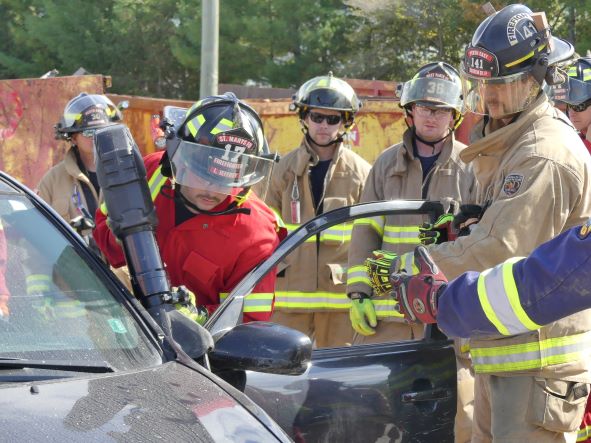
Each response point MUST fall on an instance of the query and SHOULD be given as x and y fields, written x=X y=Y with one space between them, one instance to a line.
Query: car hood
x=169 y=403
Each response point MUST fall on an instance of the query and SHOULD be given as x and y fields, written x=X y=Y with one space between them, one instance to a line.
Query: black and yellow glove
x=378 y=271
x=440 y=231
x=189 y=307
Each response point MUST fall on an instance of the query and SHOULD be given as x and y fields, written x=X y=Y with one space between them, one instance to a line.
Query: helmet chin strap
x=428 y=143
x=232 y=208
x=337 y=140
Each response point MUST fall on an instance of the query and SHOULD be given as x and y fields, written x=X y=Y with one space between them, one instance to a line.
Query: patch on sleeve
x=512 y=184
x=585 y=230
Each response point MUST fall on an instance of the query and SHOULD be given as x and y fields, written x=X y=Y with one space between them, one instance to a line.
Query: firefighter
x=71 y=186
x=578 y=103
x=517 y=296
x=212 y=228
x=425 y=165
x=320 y=175
x=534 y=177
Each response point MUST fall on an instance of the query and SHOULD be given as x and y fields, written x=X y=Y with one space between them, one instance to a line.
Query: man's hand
x=440 y=231
x=378 y=271
x=417 y=295
x=362 y=314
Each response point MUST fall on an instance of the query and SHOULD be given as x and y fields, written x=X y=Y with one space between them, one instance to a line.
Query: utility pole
x=210 y=24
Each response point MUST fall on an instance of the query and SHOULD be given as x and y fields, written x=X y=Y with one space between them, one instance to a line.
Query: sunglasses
x=330 y=119
x=579 y=108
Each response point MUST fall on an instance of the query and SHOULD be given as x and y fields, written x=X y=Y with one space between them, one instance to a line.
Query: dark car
x=399 y=391
x=81 y=360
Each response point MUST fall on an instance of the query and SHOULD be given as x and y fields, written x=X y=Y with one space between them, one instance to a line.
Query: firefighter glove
x=417 y=295
x=468 y=215
x=187 y=305
x=362 y=314
x=440 y=231
x=378 y=271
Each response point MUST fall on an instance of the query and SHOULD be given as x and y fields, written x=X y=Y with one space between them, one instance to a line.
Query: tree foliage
x=152 y=47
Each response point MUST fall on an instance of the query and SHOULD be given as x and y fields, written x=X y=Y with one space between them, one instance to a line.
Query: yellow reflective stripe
x=586 y=74
x=358 y=274
x=525 y=57
x=195 y=123
x=156 y=182
x=38 y=283
x=386 y=308
x=279 y=219
x=258 y=302
x=292 y=227
x=338 y=233
x=534 y=355
x=69 y=309
x=407 y=262
x=311 y=300
x=401 y=234
x=486 y=307
x=499 y=298
x=222 y=126
x=103 y=208
x=584 y=434
x=513 y=295
x=377 y=223
x=572 y=71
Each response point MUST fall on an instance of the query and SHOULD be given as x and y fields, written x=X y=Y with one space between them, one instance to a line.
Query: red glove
x=417 y=294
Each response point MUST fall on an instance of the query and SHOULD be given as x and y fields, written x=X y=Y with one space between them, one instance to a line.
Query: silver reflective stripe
x=500 y=301
x=533 y=355
x=376 y=223
x=401 y=234
x=358 y=274
x=311 y=300
x=339 y=233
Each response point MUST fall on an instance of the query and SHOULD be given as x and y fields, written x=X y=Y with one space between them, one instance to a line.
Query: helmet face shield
x=89 y=111
x=577 y=91
x=218 y=170
x=499 y=97
x=437 y=91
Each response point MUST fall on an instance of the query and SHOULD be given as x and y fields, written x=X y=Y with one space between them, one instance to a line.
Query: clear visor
x=499 y=97
x=436 y=90
x=77 y=107
x=578 y=91
x=224 y=171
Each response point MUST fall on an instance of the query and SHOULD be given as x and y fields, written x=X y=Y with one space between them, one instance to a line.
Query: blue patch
x=512 y=184
x=585 y=230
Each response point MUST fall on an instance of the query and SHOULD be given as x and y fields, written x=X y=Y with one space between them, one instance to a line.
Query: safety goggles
x=330 y=119
x=427 y=111
x=580 y=107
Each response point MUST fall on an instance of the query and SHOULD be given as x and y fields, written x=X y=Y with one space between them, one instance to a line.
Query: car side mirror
x=262 y=347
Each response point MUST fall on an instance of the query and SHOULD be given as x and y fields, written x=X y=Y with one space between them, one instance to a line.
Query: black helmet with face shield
x=509 y=58
x=219 y=147
x=86 y=112
x=435 y=85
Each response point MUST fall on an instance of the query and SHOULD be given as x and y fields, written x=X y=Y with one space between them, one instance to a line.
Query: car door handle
x=428 y=395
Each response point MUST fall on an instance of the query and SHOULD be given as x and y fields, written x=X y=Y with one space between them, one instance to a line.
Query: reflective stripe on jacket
x=313 y=278
x=208 y=254
x=536 y=174
x=397 y=174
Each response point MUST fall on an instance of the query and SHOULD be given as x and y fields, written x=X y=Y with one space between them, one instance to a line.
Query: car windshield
x=55 y=305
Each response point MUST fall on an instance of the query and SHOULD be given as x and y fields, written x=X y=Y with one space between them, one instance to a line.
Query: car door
x=399 y=391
